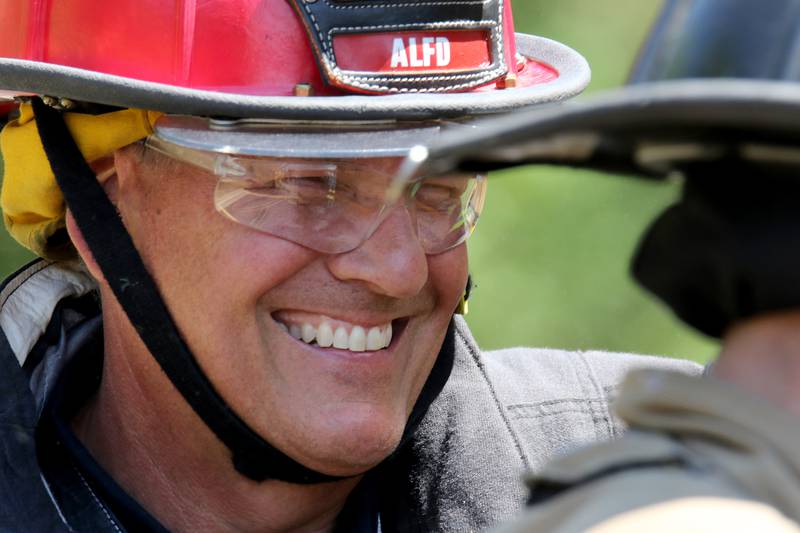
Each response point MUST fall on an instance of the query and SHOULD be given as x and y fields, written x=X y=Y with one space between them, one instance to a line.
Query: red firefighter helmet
x=283 y=58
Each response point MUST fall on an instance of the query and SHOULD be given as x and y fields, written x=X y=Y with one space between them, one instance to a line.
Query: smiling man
x=234 y=326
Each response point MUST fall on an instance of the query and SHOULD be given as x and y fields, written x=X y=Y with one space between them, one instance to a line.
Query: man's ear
x=106 y=171
x=76 y=236
x=106 y=174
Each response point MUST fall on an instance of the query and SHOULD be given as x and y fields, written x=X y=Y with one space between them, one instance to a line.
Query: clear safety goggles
x=332 y=205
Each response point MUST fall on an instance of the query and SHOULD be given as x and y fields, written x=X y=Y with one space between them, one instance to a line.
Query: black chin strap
x=137 y=293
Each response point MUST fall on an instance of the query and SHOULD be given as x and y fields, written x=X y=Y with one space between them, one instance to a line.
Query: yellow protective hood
x=33 y=206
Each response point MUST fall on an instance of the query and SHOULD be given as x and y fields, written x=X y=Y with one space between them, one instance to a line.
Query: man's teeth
x=325 y=335
x=308 y=333
x=358 y=339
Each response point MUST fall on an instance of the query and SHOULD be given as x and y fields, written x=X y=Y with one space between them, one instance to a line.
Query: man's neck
x=762 y=355
x=148 y=439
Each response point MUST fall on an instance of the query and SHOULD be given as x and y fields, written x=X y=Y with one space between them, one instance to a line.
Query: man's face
x=237 y=294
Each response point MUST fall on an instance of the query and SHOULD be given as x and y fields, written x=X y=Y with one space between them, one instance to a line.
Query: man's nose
x=391 y=262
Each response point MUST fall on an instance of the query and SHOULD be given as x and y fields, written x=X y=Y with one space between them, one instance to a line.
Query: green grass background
x=551 y=252
x=550 y=255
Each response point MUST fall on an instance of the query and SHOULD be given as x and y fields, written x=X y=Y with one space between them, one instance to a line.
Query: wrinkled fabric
x=500 y=414
x=26 y=504
x=503 y=414
x=32 y=204
x=26 y=313
x=697 y=447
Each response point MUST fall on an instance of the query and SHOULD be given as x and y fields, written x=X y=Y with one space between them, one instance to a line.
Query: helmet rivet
x=66 y=103
x=508 y=82
x=303 y=89
x=50 y=101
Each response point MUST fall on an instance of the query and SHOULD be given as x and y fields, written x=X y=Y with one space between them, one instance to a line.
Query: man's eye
x=436 y=196
x=302 y=189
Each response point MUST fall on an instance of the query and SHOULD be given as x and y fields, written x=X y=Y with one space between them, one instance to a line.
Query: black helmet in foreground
x=714 y=101
x=722 y=39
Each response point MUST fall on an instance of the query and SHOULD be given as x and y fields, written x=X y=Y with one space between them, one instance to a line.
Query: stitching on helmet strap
x=322 y=23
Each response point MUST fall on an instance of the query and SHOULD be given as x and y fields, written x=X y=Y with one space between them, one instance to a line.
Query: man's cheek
x=448 y=273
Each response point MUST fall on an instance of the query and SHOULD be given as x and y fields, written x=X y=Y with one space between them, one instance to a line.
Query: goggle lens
x=332 y=206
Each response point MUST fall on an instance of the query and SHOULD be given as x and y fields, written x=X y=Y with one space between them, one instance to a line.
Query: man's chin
x=352 y=449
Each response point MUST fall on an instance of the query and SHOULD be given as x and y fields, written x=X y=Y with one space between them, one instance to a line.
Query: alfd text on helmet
x=432 y=51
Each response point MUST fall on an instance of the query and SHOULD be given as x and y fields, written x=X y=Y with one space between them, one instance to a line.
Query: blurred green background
x=550 y=257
